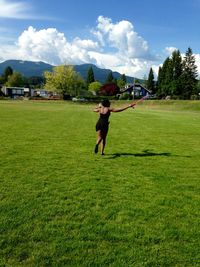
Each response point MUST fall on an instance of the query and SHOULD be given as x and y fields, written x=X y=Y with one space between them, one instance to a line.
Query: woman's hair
x=106 y=103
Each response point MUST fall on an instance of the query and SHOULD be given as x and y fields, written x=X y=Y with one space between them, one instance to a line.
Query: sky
x=128 y=36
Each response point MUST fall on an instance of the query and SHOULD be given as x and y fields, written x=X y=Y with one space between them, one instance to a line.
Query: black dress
x=102 y=123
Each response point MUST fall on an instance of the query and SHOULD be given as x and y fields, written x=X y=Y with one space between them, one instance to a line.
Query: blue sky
x=128 y=36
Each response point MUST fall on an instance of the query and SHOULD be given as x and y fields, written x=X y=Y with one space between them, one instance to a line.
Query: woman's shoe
x=96 y=149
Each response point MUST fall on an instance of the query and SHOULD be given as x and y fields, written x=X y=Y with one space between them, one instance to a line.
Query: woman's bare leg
x=99 y=139
x=103 y=144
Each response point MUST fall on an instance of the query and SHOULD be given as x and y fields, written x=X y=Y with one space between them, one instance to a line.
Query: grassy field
x=61 y=205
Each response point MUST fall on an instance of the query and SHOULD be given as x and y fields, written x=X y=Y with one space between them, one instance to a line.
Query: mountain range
x=31 y=68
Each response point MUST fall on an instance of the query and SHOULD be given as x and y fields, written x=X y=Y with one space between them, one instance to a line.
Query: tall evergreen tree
x=168 y=77
x=165 y=78
x=177 y=64
x=123 y=78
x=174 y=74
x=122 y=81
x=16 y=80
x=7 y=72
x=145 y=81
x=109 y=78
x=198 y=88
x=90 y=76
x=189 y=76
x=159 y=82
x=151 y=82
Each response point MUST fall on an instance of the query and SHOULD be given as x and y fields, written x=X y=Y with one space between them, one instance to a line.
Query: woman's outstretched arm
x=122 y=109
x=97 y=109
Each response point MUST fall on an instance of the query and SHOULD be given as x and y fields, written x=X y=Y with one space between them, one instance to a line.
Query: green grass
x=61 y=205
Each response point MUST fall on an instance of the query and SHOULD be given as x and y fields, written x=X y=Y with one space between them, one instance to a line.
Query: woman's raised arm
x=122 y=109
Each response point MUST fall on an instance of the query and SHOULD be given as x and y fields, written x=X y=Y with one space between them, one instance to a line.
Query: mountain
x=99 y=74
x=30 y=68
x=26 y=68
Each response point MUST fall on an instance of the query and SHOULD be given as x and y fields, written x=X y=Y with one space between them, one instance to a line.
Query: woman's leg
x=99 y=139
x=103 y=142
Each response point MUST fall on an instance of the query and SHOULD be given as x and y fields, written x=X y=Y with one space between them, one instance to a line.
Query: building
x=135 y=90
x=13 y=92
x=16 y=92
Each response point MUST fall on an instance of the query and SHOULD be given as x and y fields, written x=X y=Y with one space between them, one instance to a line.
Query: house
x=16 y=92
x=135 y=90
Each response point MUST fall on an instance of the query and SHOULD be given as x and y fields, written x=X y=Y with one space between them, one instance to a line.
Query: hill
x=27 y=68
x=31 y=68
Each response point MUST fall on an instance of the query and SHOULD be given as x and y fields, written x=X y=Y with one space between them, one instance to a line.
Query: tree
x=109 y=89
x=145 y=81
x=35 y=81
x=95 y=87
x=198 y=87
x=177 y=69
x=168 y=77
x=189 y=75
x=122 y=81
x=2 y=80
x=159 y=82
x=90 y=76
x=15 y=80
x=178 y=77
x=165 y=78
x=109 y=78
x=64 y=80
x=151 y=82
x=7 y=72
x=123 y=78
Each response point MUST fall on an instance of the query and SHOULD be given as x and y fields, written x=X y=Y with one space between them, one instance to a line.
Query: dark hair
x=105 y=103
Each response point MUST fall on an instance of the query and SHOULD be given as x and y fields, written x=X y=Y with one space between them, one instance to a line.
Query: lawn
x=62 y=205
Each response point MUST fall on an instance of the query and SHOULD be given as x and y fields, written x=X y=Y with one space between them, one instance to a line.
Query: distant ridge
x=26 y=68
x=32 y=68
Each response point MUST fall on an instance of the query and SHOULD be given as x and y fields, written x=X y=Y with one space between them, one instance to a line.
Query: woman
x=102 y=124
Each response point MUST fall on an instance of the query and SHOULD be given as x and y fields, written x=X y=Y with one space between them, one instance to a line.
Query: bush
x=124 y=96
x=194 y=97
x=109 y=89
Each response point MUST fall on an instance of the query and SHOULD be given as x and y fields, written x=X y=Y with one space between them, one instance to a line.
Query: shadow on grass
x=145 y=153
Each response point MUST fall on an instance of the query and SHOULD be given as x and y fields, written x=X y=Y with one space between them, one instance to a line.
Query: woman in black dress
x=102 y=124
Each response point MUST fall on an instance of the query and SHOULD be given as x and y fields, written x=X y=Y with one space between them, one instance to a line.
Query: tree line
x=64 y=80
x=177 y=77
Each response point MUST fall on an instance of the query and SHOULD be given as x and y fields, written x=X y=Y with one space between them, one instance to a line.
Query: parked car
x=75 y=99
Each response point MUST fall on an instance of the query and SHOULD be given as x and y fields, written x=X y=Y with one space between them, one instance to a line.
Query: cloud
x=50 y=45
x=116 y=46
x=122 y=37
x=170 y=50
x=197 y=61
x=17 y=10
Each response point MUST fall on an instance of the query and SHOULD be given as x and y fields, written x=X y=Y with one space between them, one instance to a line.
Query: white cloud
x=18 y=10
x=169 y=50
x=116 y=46
x=122 y=37
x=197 y=61
x=51 y=46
